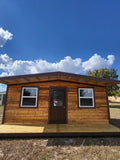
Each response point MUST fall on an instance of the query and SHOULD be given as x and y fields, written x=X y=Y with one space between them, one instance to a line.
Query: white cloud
x=111 y=59
x=19 y=67
x=4 y=36
x=96 y=62
x=4 y=59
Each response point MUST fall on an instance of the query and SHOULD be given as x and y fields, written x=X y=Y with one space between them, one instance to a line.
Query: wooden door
x=58 y=105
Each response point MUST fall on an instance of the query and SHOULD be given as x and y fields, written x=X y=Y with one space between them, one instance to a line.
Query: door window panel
x=58 y=98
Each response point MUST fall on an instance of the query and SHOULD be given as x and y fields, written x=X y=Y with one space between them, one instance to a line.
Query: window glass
x=86 y=102
x=29 y=101
x=29 y=92
x=86 y=97
x=85 y=93
x=29 y=97
x=58 y=98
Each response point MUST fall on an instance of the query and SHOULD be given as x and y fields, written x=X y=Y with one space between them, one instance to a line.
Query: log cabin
x=56 y=98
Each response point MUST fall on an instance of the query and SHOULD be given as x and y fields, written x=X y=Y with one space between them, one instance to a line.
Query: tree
x=107 y=73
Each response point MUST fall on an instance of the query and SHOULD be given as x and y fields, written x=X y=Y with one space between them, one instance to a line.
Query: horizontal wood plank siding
x=16 y=115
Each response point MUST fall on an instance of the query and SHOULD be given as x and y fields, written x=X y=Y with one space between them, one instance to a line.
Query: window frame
x=93 y=97
x=21 y=99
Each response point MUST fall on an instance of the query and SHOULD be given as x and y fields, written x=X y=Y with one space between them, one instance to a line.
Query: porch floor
x=59 y=129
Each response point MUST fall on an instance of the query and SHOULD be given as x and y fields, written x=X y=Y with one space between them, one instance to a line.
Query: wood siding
x=16 y=115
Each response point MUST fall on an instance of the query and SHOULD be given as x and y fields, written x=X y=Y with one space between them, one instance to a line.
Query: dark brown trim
x=93 y=97
x=21 y=96
x=66 y=92
x=61 y=74
x=108 y=105
x=62 y=134
x=5 y=105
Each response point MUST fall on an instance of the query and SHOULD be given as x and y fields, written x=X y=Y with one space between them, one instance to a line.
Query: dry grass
x=62 y=148
x=1 y=113
x=115 y=113
x=1 y=109
x=114 y=104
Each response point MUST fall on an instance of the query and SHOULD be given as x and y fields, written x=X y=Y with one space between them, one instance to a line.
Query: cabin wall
x=16 y=115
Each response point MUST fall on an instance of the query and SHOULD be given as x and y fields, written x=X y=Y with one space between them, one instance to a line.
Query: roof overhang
x=52 y=76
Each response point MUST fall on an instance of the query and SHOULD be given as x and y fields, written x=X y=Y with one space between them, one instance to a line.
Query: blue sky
x=66 y=35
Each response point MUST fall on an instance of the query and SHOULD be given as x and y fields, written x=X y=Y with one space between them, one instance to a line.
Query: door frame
x=66 y=91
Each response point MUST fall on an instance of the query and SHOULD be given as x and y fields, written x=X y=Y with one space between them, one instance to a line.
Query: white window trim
x=86 y=97
x=29 y=97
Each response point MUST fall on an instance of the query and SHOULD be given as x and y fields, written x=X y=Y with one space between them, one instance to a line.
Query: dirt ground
x=63 y=148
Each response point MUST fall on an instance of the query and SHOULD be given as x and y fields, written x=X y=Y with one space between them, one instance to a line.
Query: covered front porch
x=58 y=130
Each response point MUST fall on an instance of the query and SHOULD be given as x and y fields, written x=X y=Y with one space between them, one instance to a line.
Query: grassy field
x=114 y=110
x=1 y=113
x=63 y=148
x=60 y=149
x=115 y=113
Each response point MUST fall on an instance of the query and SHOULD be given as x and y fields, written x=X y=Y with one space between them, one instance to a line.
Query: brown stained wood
x=87 y=117
x=83 y=80
x=20 y=80
x=21 y=113
x=14 y=114
x=24 y=80
x=96 y=117
x=89 y=111
x=98 y=89
x=35 y=79
x=43 y=78
x=3 y=82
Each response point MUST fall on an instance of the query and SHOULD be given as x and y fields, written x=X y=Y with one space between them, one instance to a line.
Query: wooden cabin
x=56 y=98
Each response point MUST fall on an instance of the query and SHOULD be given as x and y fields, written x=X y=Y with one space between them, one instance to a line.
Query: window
x=29 y=97
x=58 y=98
x=86 y=97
